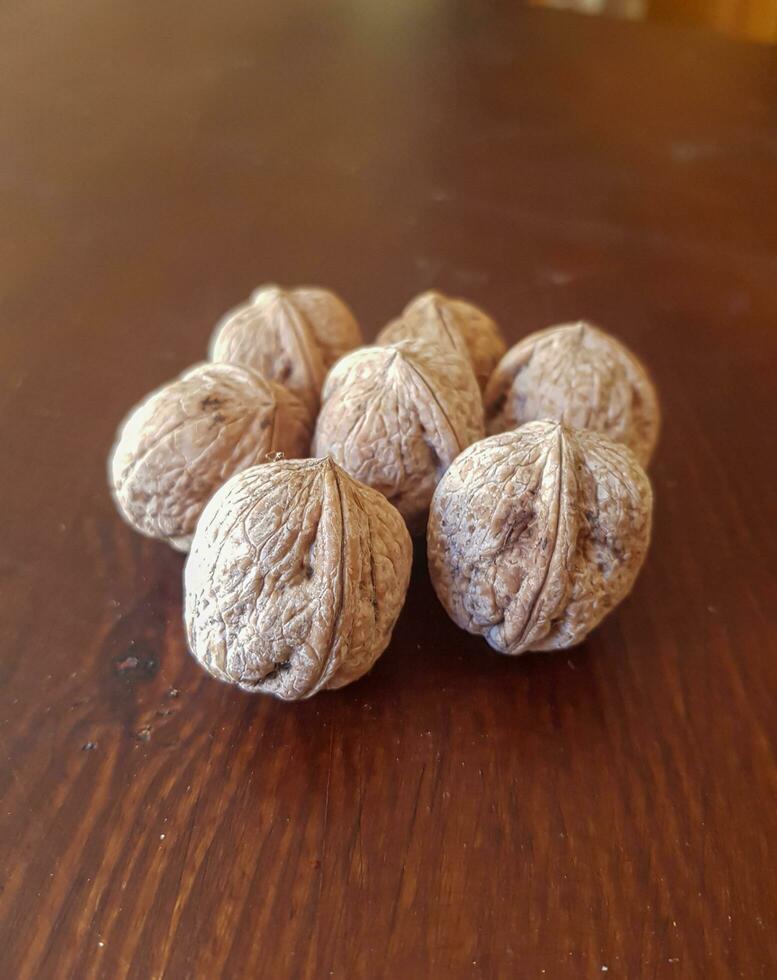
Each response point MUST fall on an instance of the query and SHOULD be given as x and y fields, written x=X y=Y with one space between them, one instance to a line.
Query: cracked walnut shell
x=582 y=376
x=296 y=577
x=437 y=318
x=536 y=534
x=396 y=417
x=291 y=336
x=185 y=439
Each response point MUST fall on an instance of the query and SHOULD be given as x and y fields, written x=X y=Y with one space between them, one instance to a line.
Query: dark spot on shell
x=279 y=667
x=211 y=401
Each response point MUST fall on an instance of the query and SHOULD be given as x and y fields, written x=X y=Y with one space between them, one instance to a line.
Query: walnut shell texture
x=396 y=417
x=579 y=375
x=536 y=534
x=185 y=439
x=437 y=318
x=291 y=336
x=295 y=579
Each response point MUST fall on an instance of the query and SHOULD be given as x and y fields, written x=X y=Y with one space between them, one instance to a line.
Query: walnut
x=185 y=439
x=296 y=577
x=291 y=336
x=395 y=417
x=435 y=317
x=536 y=534
x=582 y=376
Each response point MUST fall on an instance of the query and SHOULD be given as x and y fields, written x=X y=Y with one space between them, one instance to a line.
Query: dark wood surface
x=455 y=814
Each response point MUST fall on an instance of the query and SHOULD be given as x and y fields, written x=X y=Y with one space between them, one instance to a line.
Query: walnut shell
x=185 y=439
x=437 y=318
x=536 y=534
x=296 y=577
x=290 y=336
x=582 y=376
x=396 y=417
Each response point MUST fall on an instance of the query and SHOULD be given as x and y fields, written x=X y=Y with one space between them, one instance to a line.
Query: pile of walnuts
x=296 y=463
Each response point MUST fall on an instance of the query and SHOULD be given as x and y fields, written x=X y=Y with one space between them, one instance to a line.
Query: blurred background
x=754 y=20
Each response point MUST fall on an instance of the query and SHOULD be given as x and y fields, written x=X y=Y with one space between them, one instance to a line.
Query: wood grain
x=456 y=813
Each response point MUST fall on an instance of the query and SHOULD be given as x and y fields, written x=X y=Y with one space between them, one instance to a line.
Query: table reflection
x=754 y=20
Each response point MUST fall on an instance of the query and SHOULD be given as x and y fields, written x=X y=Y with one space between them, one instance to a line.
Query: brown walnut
x=396 y=417
x=185 y=439
x=580 y=375
x=536 y=534
x=295 y=579
x=291 y=336
x=437 y=318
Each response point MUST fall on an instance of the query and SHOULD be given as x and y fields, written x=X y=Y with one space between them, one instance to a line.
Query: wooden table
x=456 y=813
